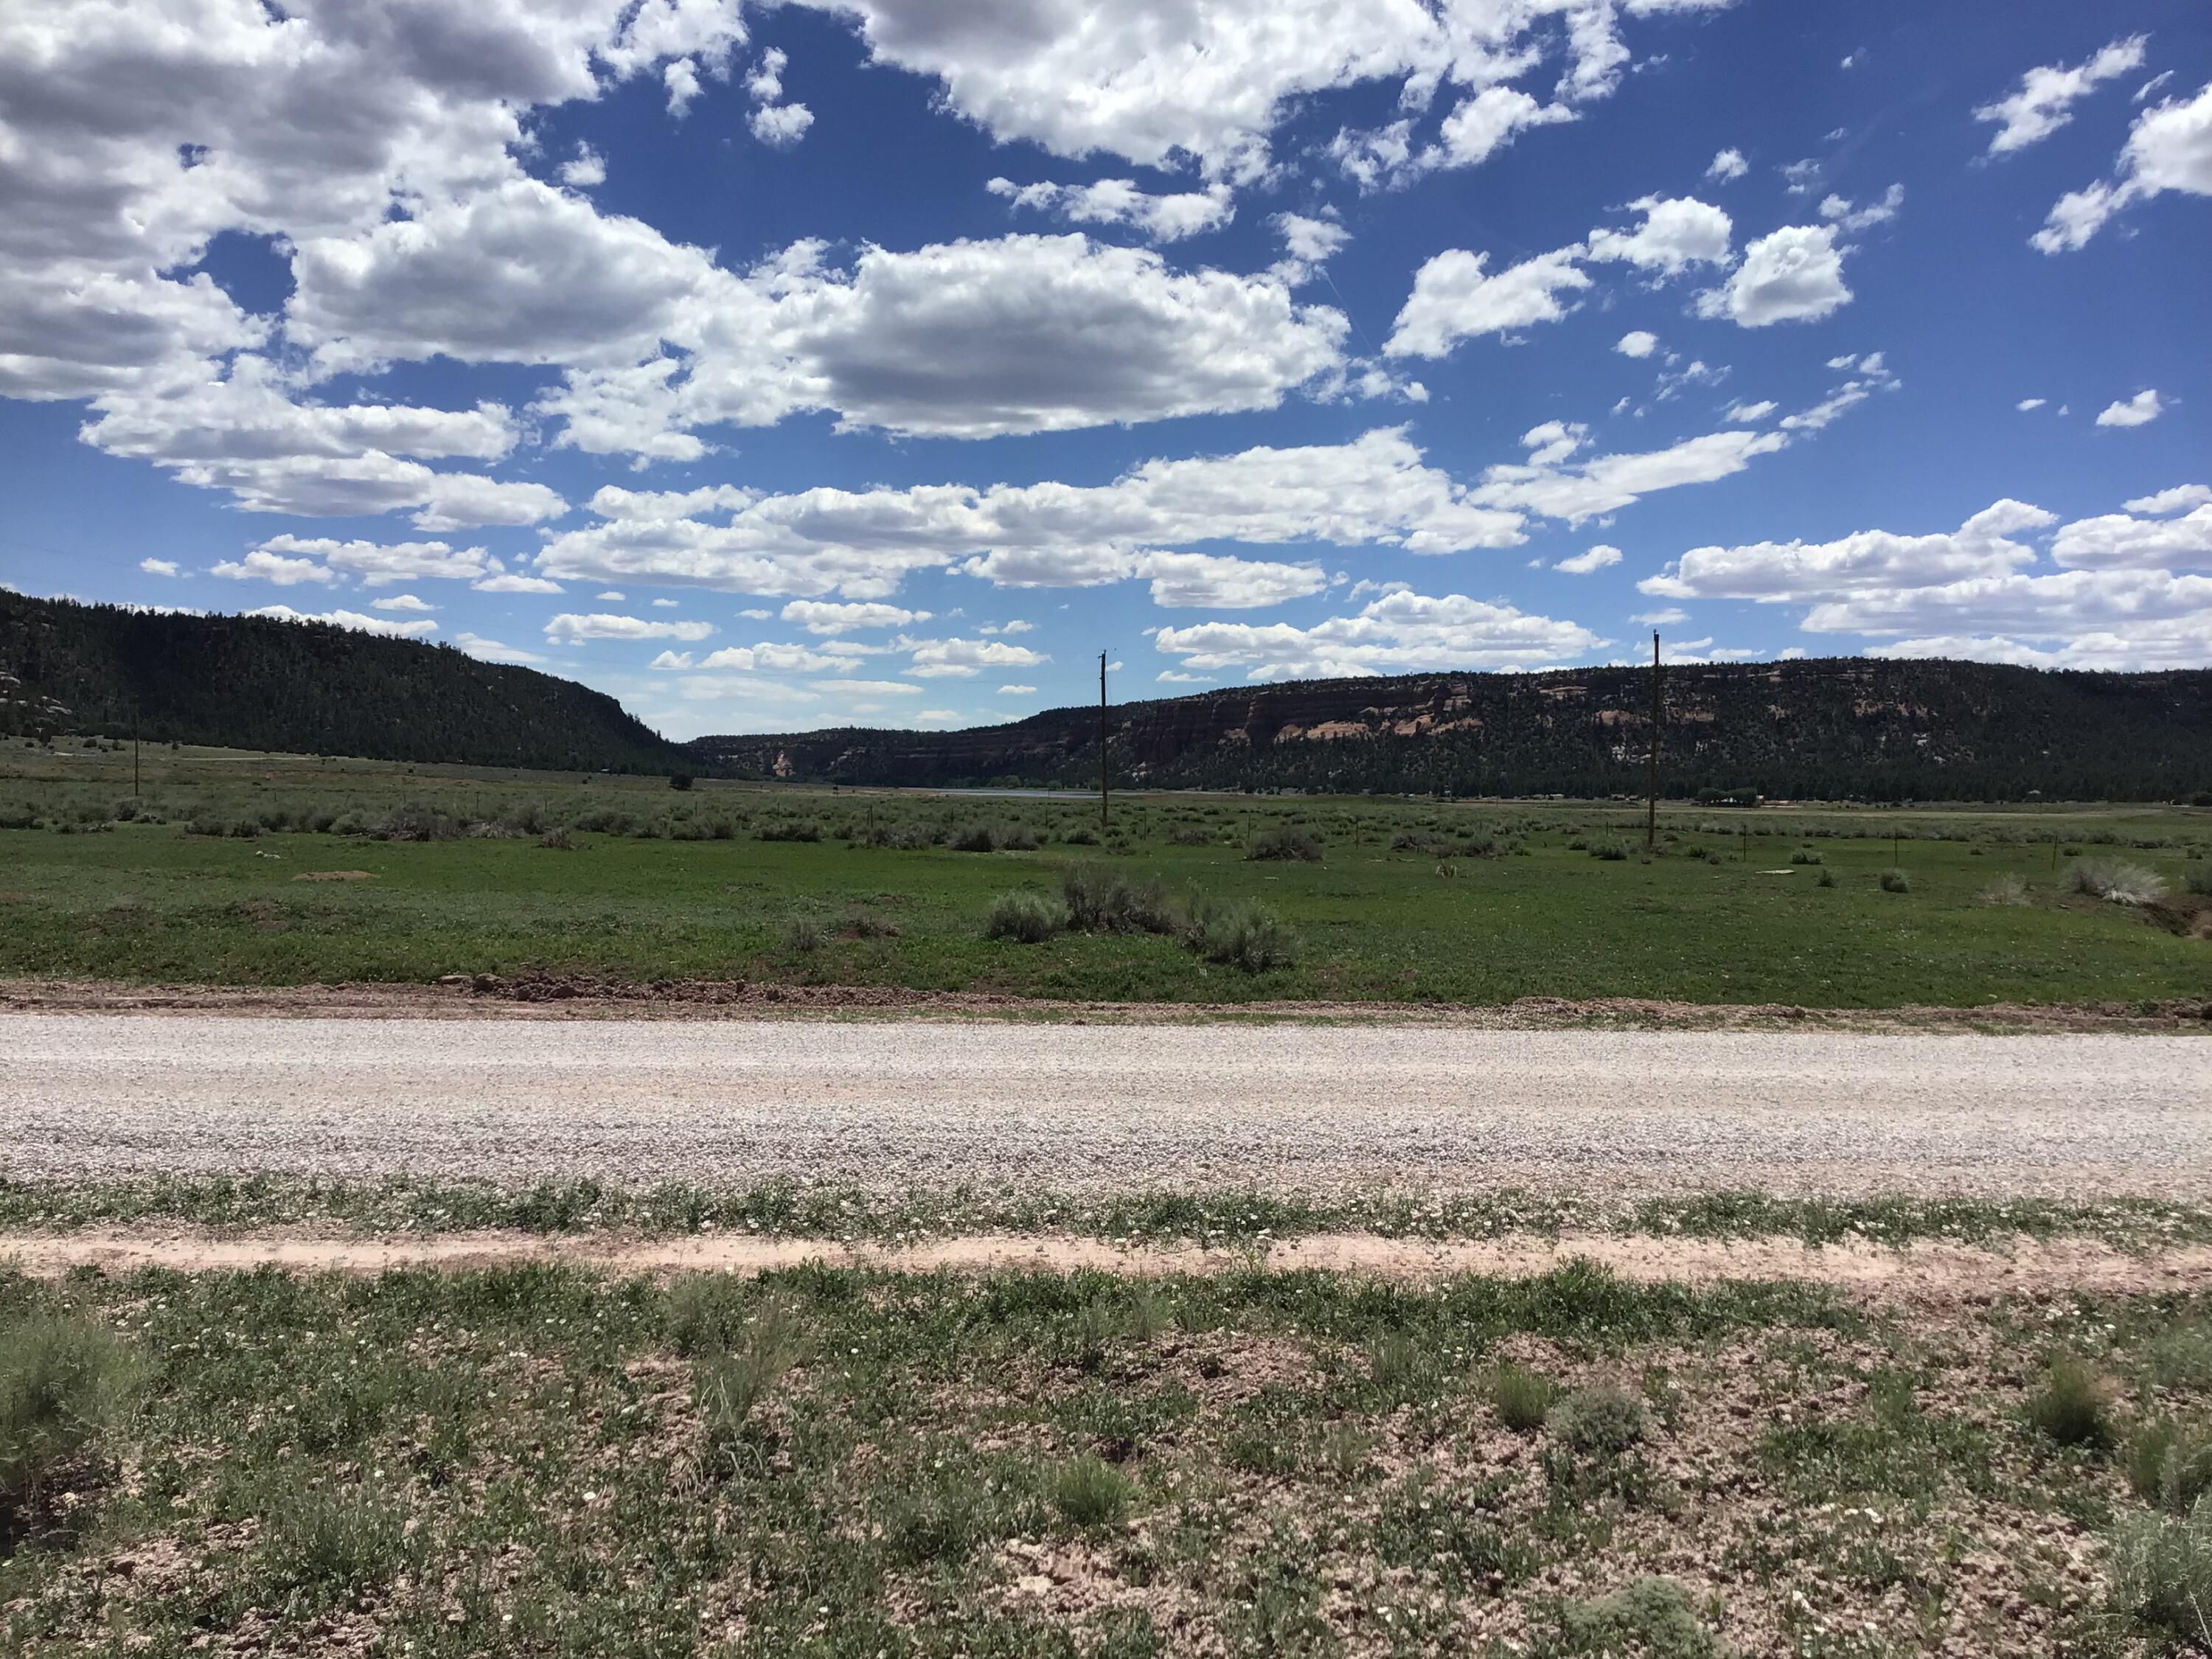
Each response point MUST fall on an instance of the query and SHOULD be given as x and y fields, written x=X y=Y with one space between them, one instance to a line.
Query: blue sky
x=881 y=362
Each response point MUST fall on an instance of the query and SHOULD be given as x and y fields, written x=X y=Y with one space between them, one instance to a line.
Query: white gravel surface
x=1083 y=1107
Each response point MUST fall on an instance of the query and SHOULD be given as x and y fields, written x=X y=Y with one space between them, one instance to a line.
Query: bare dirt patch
x=1930 y=1273
x=335 y=875
x=548 y=995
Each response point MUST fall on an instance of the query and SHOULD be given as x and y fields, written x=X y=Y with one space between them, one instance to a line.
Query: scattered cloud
x=1455 y=298
x=585 y=170
x=159 y=566
x=817 y=616
x=1120 y=202
x=965 y=658
x=490 y=650
x=1839 y=210
x=2026 y=406
x=1375 y=490
x=2139 y=410
x=1788 y=276
x=1677 y=233
x=1581 y=564
x=1637 y=343
x=2043 y=101
x=353 y=619
x=2171 y=500
x=569 y=628
x=2169 y=147
x=1398 y=632
x=1728 y=166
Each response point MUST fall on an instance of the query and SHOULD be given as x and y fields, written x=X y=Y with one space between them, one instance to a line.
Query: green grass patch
x=448 y=872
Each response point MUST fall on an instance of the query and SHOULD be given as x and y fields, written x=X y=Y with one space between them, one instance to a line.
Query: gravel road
x=1084 y=1107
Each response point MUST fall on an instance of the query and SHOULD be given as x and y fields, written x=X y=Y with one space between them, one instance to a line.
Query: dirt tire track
x=1920 y=1273
x=553 y=996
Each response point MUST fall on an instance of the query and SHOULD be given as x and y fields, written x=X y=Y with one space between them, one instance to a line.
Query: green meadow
x=221 y=868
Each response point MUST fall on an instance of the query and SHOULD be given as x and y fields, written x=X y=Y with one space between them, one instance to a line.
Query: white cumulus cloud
x=2139 y=410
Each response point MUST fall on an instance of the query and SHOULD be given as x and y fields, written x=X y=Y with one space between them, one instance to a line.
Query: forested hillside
x=1838 y=727
x=308 y=688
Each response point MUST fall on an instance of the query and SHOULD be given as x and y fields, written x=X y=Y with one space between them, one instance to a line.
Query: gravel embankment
x=1082 y=1109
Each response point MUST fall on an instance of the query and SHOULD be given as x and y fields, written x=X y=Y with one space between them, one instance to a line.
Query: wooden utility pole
x=1101 y=743
x=1652 y=808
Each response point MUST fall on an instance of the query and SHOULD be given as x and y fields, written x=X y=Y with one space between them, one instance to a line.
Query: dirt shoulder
x=1931 y=1274
x=548 y=996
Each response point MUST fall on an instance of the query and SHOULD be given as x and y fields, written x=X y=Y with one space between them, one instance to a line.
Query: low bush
x=333 y=1543
x=861 y=922
x=1283 y=845
x=1101 y=900
x=558 y=840
x=800 y=934
x=414 y=822
x=64 y=1382
x=1654 y=1618
x=1521 y=1398
x=789 y=829
x=977 y=838
x=2162 y=1576
x=1896 y=881
x=1611 y=848
x=1025 y=918
x=2169 y=1465
x=731 y=1382
x=1807 y=855
x=1089 y=1491
x=2116 y=880
x=2073 y=1407
x=2005 y=889
x=1244 y=935
x=1825 y=879
x=1601 y=1421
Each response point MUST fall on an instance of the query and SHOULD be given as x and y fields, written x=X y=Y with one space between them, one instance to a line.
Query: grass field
x=856 y=1463
x=655 y=882
x=637 y=896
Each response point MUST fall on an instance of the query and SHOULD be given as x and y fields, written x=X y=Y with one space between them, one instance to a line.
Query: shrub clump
x=2011 y=888
x=1089 y=1491
x=64 y=1382
x=1652 y=1617
x=800 y=934
x=1283 y=844
x=2162 y=1574
x=1100 y=900
x=789 y=829
x=1521 y=1398
x=1611 y=848
x=2169 y=1466
x=1025 y=918
x=1601 y=1421
x=2073 y=1407
x=1244 y=935
x=1896 y=881
x=2116 y=880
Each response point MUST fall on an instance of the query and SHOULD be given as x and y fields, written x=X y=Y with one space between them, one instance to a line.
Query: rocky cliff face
x=1842 y=727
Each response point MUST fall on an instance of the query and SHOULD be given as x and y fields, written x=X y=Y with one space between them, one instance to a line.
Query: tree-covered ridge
x=305 y=688
x=1838 y=727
